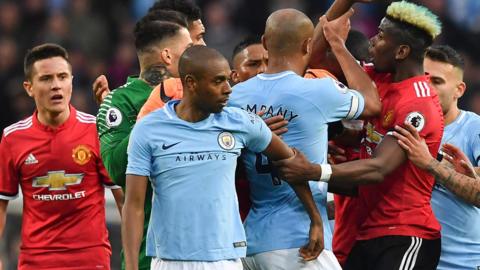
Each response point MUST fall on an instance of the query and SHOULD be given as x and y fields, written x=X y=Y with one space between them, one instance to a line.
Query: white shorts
x=159 y=264
x=289 y=259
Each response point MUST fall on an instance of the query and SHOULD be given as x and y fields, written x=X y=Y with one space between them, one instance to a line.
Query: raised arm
x=132 y=219
x=278 y=150
x=356 y=77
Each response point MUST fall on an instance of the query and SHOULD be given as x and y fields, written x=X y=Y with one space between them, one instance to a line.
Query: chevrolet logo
x=57 y=180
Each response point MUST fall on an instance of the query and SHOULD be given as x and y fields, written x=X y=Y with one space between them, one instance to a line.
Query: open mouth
x=56 y=97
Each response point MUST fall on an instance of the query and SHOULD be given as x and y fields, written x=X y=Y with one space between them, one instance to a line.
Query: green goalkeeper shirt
x=115 y=120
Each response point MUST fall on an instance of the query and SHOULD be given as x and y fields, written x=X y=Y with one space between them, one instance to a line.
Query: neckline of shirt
x=275 y=76
x=70 y=120
x=172 y=114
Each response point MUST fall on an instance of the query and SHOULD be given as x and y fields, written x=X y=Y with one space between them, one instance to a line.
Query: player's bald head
x=286 y=30
x=197 y=60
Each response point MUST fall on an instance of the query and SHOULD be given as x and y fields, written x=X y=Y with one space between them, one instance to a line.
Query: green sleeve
x=114 y=124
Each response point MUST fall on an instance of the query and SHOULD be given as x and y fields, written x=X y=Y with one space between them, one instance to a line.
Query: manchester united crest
x=387 y=119
x=81 y=154
x=226 y=140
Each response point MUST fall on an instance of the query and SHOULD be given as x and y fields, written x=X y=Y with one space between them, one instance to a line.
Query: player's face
x=213 y=89
x=50 y=85
x=447 y=80
x=382 y=48
x=249 y=62
x=181 y=42
x=197 y=31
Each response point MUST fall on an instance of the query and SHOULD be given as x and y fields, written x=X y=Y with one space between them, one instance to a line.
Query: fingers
x=413 y=131
x=261 y=113
x=335 y=150
x=312 y=250
x=404 y=146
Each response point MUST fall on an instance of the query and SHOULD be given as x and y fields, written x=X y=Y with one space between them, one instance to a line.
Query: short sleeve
x=139 y=153
x=8 y=174
x=475 y=146
x=258 y=135
x=419 y=115
x=336 y=101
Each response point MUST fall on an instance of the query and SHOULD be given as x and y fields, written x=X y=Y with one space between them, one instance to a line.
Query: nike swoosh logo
x=165 y=147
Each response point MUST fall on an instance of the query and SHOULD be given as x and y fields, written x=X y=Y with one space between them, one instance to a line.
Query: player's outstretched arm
x=278 y=150
x=319 y=42
x=356 y=77
x=387 y=157
x=132 y=219
x=463 y=186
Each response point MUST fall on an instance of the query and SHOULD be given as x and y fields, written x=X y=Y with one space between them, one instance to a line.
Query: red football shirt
x=62 y=179
x=348 y=218
x=400 y=205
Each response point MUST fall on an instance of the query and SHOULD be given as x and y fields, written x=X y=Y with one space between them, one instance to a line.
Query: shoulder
x=85 y=118
x=238 y=116
x=18 y=127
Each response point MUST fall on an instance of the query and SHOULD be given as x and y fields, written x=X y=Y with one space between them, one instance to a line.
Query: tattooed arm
x=466 y=187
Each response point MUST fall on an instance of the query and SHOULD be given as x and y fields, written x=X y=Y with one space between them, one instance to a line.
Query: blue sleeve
x=257 y=134
x=139 y=152
x=336 y=101
x=475 y=146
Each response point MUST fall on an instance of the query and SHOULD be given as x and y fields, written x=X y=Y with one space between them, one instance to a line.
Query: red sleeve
x=420 y=114
x=8 y=175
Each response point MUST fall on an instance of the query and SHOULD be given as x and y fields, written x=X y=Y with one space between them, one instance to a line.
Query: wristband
x=326 y=172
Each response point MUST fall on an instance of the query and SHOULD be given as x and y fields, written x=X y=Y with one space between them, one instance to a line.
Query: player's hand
x=296 y=169
x=459 y=160
x=277 y=124
x=415 y=146
x=315 y=243
x=336 y=31
x=100 y=89
x=336 y=154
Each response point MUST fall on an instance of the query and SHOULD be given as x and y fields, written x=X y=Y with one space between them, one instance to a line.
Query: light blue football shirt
x=277 y=219
x=460 y=220
x=191 y=167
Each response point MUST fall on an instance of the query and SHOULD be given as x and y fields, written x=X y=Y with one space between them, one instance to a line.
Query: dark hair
x=40 y=52
x=418 y=39
x=150 y=32
x=244 y=44
x=162 y=15
x=194 y=60
x=446 y=54
x=357 y=43
x=187 y=7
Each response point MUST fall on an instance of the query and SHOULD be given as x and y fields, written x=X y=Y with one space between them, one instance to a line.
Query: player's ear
x=307 y=46
x=27 y=85
x=234 y=76
x=403 y=51
x=460 y=90
x=264 y=42
x=190 y=81
x=166 y=56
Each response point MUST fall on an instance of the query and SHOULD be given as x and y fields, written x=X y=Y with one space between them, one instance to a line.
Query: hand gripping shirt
x=400 y=205
x=191 y=166
x=277 y=219
x=62 y=178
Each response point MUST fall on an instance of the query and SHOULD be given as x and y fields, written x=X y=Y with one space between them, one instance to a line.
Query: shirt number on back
x=266 y=168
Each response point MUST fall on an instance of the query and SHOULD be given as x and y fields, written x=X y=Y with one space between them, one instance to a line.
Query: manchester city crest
x=226 y=140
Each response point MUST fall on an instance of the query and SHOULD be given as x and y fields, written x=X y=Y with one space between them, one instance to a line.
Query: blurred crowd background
x=98 y=36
